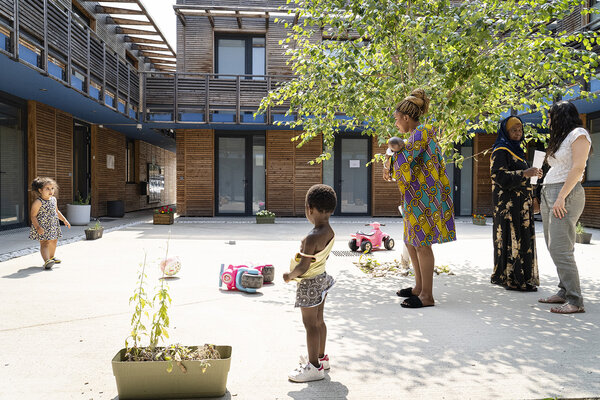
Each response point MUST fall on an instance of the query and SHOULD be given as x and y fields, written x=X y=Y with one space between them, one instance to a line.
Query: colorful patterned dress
x=48 y=220
x=420 y=172
x=515 y=261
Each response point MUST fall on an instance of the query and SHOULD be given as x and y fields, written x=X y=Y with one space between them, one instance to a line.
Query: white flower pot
x=79 y=214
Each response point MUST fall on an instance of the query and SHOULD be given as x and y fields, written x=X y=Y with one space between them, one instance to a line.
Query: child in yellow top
x=308 y=269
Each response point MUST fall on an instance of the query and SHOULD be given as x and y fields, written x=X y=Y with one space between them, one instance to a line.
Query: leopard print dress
x=48 y=220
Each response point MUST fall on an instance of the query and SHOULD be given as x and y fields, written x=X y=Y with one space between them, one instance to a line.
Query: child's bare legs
x=52 y=247
x=312 y=317
x=322 y=328
x=426 y=265
x=414 y=258
x=45 y=249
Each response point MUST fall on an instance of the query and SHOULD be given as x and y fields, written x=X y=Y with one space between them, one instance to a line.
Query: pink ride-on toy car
x=245 y=278
x=367 y=241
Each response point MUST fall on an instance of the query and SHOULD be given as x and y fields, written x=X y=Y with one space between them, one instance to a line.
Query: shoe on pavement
x=48 y=264
x=307 y=373
x=324 y=361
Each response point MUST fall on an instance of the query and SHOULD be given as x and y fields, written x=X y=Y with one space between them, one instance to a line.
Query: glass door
x=240 y=174
x=13 y=201
x=82 y=182
x=352 y=177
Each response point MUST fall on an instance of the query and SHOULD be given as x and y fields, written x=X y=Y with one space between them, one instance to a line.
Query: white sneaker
x=324 y=361
x=307 y=373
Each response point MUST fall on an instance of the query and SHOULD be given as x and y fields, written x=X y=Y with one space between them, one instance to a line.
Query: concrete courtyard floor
x=59 y=329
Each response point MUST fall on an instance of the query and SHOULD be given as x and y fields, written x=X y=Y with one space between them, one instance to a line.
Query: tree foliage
x=475 y=60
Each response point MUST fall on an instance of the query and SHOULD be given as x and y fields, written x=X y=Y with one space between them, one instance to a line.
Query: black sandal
x=414 y=302
x=406 y=292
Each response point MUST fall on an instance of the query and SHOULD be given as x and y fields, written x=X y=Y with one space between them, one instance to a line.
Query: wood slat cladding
x=385 y=196
x=482 y=183
x=50 y=149
x=288 y=172
x=109 y=184
x=591 y=212
x=306 y=175
x=195 y=45
x=195 y=172
x=276 y=58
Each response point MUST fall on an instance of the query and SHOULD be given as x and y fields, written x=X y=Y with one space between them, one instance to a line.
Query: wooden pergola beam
x=142 y=47
x=126 y=21
x=153 y=54
x=117 y=10
x=132 y=31
x=135 y=39
x=160 y=61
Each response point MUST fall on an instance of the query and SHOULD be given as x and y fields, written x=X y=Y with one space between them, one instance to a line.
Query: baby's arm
x=308 y=246
x=62 y=217
x=35 y=208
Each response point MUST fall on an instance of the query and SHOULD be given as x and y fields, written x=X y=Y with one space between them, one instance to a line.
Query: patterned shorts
x=312 y=291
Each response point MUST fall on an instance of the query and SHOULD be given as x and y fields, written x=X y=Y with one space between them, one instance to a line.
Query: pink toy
x=367 y=241
x=245 y=278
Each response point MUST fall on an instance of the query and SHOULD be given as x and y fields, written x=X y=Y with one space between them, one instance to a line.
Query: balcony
x=55 y=43
x=195 y=98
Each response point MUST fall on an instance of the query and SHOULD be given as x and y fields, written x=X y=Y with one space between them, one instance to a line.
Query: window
x=130 y=161
x=83 y=16
x=131 y=59
x=592 y=171
x=240 y=55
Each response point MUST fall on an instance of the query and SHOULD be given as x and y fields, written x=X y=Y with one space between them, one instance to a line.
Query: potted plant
x=163 y=216
x=78 y=212
x=265 y=217
x=94 y=231
x=581 y=236
x=479 y=219
x=165 y=372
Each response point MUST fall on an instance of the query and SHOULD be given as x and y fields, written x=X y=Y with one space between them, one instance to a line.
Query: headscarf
x=505 y=141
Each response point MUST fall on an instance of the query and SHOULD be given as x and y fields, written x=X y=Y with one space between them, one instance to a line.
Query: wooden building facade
x=70 y=102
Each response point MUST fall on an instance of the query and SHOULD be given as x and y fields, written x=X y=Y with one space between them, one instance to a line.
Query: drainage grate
x=346 y=253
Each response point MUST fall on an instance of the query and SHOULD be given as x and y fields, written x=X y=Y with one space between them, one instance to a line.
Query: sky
x=162 y=13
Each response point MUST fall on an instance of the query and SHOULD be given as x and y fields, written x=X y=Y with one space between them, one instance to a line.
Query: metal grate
x=346 y=253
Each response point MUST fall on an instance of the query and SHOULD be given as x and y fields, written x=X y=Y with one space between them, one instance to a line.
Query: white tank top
x=562 y=161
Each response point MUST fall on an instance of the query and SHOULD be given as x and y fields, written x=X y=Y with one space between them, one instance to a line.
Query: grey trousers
x=560 y=238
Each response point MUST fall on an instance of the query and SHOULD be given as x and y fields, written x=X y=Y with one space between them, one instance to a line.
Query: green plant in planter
x=96 y=226
x=579 y=228
x=81 y=201
x=265 y=214
x=159 y=323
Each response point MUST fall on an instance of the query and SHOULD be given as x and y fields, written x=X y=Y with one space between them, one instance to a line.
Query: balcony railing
x=55 y=42
x=196 y=98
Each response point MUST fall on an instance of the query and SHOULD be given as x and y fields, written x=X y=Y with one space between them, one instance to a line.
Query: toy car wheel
x=352 y=244
x=388 y=242
x=252 y=281
x=268 y=273
x=366 y=246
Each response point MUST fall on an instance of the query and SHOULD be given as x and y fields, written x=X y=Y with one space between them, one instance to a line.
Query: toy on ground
x=368 y=241
x=245 y=278
x=170 y=266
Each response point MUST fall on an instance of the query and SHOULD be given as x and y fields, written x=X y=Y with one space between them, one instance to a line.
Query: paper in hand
x=538 y=161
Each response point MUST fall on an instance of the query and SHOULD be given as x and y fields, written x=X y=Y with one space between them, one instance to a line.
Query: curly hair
x=415 y=105
x=322 y=198
x=564 y=117
x=39 y=183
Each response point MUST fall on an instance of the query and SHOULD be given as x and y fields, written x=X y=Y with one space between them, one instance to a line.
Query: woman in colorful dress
x=515 y=259
x=419 y=170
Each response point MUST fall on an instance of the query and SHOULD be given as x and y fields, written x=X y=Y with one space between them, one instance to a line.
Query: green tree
x=475 y=60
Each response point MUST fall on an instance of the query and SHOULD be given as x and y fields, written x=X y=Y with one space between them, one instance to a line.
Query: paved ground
x=59 y=329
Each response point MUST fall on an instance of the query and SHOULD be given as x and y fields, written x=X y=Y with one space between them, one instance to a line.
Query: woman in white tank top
x=563 y=200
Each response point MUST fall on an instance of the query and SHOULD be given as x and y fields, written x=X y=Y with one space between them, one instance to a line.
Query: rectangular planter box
x=150 y=379
x=583 y=238
x=265 y=220
x=478 y=221
x=163 y=219
x=93 y=234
